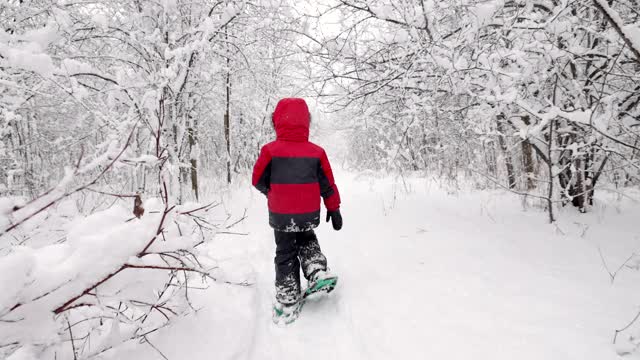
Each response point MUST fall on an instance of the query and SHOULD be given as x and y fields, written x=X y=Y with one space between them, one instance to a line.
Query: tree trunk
x=490 y=157
x=579 y=188
x=505 y=152
x=226 y=114
x=193 y=159
x=550 y=169
x=527 y=159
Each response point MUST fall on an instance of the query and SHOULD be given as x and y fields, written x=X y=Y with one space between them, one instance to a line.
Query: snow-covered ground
x=423 y=275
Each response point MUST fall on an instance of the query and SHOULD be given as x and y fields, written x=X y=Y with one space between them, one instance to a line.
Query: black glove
x=336 y=219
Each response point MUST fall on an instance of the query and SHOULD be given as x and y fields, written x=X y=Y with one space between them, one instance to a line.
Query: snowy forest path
x=421 y=272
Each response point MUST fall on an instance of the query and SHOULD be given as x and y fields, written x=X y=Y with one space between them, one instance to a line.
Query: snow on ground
x=423 y=274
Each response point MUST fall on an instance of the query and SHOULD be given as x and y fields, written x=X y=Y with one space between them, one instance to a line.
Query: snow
x=484 y=12
x=101 y=20
x=28 y=59
x=633 y=33
x=71 y=67
x=42 y=36
x=423 y=274
x=28 y=51
x=425 y=271
x=229 y=12
x=382 y=11
x=25 y=353
x=578 y=116
x=36 y=280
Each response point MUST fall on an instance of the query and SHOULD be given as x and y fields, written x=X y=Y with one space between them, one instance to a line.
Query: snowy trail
x=423 y=274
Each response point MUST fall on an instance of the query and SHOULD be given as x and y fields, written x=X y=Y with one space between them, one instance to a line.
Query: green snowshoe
x=321 y=284
x=286 y=314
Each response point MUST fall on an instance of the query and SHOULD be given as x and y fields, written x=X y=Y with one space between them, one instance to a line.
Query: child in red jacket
x=294 y=174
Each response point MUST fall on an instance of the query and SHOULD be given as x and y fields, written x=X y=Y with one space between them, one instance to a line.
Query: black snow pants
x=293 y=251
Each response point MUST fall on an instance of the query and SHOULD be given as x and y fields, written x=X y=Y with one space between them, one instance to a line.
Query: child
x=294 y=173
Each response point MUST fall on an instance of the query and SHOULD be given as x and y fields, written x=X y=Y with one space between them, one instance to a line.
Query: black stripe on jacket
x=294 y=170
x=294 y=222
x=326 y=189
x=264 y=183
x=299 y=170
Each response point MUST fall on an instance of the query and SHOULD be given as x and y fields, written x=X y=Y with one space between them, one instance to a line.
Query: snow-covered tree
x=519 y=94
x=108 y=104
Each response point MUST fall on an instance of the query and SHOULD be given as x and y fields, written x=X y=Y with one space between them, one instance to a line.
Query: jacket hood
x=291 y=120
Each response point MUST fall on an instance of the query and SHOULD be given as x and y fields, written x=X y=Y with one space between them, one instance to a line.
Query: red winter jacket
x=293 y=172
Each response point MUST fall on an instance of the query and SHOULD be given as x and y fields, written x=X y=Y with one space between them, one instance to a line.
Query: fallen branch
x=205 y=208
x=613 y=275
x=615 y=336
x=244 y=217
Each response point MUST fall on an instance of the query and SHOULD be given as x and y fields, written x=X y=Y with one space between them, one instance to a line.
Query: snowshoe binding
x=321 y=283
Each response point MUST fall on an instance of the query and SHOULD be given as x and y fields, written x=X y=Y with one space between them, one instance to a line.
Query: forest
x=129 y=130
